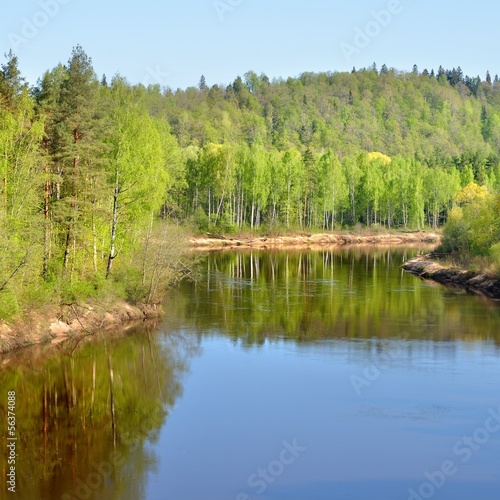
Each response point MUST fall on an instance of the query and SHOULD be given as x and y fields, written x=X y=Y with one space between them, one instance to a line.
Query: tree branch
x=16 y=270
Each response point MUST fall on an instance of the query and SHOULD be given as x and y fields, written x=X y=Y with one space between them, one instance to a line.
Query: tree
x=440 y=187
x=333 y=187
x=75 y=143
x=12 y=84
x=137 y=178
x=293 y=174
x=202 y=85
x=353 y=174
x=21 y=179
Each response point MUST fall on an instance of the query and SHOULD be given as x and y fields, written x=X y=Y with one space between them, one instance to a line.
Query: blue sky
x=174 y=42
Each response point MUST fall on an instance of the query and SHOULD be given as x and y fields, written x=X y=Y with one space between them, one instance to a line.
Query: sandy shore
x=477 y=282
x=313 y=241
x=58 y=324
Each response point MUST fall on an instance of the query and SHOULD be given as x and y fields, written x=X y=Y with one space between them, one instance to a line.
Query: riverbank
x=312 y=241
x=478 y=282
x=57 y=324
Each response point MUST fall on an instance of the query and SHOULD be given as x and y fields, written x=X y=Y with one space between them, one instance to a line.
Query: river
x=277 y=375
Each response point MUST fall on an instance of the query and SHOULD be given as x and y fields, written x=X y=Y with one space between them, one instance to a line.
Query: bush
x=127 y=283
x=9 y=306
x=37 y=295
x=455 y=234
x=200 y=219
x=495 y=256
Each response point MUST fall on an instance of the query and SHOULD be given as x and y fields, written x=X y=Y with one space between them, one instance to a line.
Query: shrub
x=9 y=306
x=455 y=233
x=495 y=256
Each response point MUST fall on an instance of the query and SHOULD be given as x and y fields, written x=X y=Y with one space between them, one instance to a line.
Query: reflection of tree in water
x=66 y=442
x=358 y=293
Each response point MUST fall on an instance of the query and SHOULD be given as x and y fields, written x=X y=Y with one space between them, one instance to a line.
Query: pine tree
x=202 y=85
x=75 y=138
x=11 y=82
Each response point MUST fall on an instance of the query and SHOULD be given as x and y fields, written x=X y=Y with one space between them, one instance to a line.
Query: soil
x=312 y=241
x=478 y=282
x=58 y=324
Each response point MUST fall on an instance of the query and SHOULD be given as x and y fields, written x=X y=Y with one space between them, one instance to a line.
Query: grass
x=478 y=264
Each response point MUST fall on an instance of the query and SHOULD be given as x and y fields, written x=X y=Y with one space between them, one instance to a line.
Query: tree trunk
x=252 y=215
x=67 y=248
x=46 y=240
x=146 y=250
x=114 y=225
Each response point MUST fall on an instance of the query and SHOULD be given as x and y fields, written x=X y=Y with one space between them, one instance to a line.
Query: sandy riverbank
x=313 y=241
x=58 y=324
x=478 y=282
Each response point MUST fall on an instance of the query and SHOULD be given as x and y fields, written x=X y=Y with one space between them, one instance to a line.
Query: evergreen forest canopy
x=88 y=167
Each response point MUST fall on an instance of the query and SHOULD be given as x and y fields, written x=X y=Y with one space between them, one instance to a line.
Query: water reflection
x=88 y=413
x=377 y=373
x=307 y=296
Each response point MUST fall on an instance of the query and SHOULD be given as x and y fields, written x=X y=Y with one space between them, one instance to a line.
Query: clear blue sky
x=174 y=42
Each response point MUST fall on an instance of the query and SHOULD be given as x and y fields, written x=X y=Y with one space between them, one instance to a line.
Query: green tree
x=137 y=177
x=334 y=188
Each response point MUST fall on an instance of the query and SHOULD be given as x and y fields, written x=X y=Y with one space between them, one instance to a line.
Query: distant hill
x=443 y=117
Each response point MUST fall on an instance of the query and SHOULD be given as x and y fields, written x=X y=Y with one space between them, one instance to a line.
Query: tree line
x=91 y=169
x=84 y=169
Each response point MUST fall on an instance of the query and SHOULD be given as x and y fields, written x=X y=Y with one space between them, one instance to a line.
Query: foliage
x=85 y=171
x=473 y=227
x=88 y=169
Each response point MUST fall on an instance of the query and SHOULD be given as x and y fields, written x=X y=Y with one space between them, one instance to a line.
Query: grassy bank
x=34 y=310
x=55 y=311
x=442 y=270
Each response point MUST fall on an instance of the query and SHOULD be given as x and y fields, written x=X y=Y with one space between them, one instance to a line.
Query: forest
x=99 y=179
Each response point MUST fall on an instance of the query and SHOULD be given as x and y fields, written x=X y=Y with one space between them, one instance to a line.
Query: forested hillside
x=88 y=167
x=303 y=152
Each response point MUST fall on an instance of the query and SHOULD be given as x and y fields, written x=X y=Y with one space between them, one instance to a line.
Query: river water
x=276 y=375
